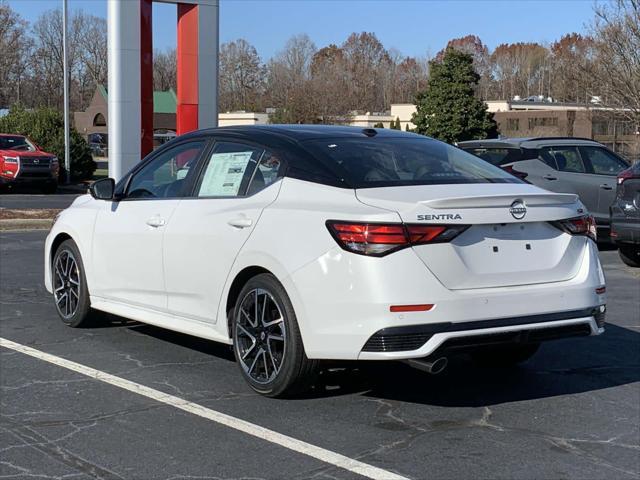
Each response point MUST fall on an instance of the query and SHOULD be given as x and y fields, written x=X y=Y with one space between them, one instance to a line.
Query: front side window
x=384 y=162
x=165 y=176
x=567 y=159
x=602 y=161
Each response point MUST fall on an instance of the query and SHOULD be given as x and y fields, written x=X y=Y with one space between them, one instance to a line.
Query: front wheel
x=266 y=340
x=70 y=292
x=506 y=355
x=630 y=256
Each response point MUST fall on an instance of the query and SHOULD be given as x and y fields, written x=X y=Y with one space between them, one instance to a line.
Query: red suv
x=22 y=162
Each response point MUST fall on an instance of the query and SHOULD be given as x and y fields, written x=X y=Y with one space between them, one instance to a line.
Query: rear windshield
x=16 y=142
x=386 y=162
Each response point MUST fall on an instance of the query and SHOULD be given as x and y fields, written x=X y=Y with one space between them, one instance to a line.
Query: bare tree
x=241 y=76
x=165 y=70
x=616 y=31
x=289 y=85
x=15 y=46
x=93 y=49
x=366 y=60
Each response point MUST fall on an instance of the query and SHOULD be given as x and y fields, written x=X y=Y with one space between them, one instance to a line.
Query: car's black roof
x=302 y=132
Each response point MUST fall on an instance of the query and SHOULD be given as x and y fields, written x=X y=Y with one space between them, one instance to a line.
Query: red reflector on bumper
x=601 y=290
x=411 y=308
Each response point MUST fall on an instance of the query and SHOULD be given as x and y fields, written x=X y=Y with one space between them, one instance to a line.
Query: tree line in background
x=305 y=83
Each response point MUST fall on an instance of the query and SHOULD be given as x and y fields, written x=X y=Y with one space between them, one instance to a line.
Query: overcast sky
x=415 y=27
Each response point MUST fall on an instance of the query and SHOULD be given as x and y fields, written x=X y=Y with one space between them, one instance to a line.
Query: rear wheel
x=267 y=342
x=630 y=255
x=70 y=292
x=505 y=355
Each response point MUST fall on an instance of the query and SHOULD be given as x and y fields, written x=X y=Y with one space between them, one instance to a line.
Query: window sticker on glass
x=224 y=174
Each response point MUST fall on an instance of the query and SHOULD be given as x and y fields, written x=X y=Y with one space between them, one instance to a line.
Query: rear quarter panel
x=291 y=233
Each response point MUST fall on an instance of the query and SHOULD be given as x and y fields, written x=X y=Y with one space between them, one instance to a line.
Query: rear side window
x=235 y=169
x=228 y=170
x=382 y=162
x=567 y=159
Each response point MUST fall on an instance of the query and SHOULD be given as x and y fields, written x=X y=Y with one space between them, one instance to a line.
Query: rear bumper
x=424 y=340
x=342 y=300
x=625 y=231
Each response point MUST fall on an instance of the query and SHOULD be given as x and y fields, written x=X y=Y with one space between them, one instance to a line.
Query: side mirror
x=103 y=189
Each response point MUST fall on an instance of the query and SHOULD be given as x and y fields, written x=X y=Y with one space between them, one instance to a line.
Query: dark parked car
x=559 y=164
x=23 y=162
x=625 y=216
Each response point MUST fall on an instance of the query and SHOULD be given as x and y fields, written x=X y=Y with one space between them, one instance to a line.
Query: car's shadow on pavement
x=561 y=367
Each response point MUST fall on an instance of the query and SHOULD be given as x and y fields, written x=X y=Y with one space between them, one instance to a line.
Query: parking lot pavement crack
x=388 y=411
x=141 y=364
x=36 y=441
x=198 y=477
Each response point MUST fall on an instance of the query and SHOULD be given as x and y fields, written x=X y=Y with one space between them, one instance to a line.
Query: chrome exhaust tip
x=433 y=367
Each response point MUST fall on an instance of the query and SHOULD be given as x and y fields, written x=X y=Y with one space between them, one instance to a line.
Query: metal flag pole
x=65 y=68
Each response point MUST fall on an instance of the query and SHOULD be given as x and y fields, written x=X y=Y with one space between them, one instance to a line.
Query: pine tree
x=396 y=125
x=449 y=110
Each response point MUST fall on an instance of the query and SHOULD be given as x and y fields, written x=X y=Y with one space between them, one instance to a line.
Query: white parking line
x=326 y=456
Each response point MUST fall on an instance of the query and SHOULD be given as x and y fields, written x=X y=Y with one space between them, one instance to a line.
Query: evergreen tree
x=449 y=110
x=396 y=125
x=379 y=125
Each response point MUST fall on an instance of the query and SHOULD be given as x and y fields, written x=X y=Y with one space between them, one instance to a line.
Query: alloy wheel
x=260 y=333
x=66 y=284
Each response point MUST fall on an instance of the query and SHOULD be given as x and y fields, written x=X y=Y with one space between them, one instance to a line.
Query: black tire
x=630 y=256
x=49 y=188
x=74 y=310
x=291 y=371
x=505 y=355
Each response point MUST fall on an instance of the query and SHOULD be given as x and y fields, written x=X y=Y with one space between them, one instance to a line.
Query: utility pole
x=65 y=69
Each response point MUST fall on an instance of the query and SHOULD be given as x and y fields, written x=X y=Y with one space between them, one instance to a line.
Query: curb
x=25 y=224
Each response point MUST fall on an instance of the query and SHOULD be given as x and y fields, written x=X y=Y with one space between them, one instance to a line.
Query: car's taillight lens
x=625 y=175
x=378 y=239
x=585 y=225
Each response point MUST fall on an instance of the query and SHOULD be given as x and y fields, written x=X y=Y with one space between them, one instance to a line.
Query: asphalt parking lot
x=573 y=411
x=26 y=199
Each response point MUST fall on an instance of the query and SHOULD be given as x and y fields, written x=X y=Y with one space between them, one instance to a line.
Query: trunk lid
x=509 y=242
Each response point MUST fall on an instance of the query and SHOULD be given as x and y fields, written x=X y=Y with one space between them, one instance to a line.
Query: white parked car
x=297 y=244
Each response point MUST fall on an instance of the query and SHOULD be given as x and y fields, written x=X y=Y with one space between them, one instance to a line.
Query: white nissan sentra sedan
x=297 y=244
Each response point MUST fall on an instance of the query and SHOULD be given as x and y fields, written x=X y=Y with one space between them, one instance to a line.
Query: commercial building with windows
x=555 y=119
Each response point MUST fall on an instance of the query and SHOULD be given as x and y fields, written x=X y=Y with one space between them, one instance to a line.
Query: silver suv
x=558 y=164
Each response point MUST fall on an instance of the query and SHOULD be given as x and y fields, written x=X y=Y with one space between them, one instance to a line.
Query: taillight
x=585 y=225
x=625 y=175
x=515 y=173
x=379 y=239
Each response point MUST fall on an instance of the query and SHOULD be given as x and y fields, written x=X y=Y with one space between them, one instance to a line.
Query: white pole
x=65 y=69
x=123 y=32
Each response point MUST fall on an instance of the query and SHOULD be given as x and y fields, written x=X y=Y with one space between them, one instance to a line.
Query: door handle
x=156 y=222
x=604 y=186
x=241 y=222
x=550 y=177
